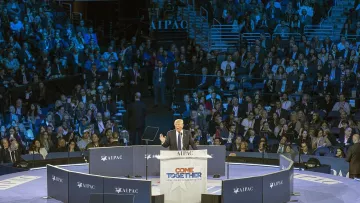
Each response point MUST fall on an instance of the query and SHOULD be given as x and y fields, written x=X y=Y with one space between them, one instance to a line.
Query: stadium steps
x=337 y=16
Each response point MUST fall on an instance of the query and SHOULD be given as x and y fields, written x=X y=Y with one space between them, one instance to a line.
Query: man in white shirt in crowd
x=228 y=62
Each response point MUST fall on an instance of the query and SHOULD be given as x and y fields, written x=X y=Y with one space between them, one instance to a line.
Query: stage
x=311 y=187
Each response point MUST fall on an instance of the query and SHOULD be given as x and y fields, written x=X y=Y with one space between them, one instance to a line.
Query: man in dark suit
x=159 y=82
x=353 y=157
x=5 y=154
x=137 y=113
x=178 y=139
x=325 y=86
x=204 y=80
x=284 y=85
x=120 y=84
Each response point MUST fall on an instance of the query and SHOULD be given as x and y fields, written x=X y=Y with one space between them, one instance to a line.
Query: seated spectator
x=16 y=26
x=340 y=153
x=94 y=142
x=90 y=36
x=304 y=149
x=11 y=63
x=342 y=105
x=282 y=145
x=114 y=140
x=110 y=55
x=320 y=140
x=72 y=147
x=13 y=8
x=37 y=148
x=228 y=62
x=46 y=141
x=84 y=140
x=5 y=151
x=305 y=19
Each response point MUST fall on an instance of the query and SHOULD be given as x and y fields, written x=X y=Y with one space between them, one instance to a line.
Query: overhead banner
x=57 y=183
x=216 y=164
x=140 y=189
x=243 y=190
x=119 y=159
x=276 y=187
x=169 y=25
x=81 y=186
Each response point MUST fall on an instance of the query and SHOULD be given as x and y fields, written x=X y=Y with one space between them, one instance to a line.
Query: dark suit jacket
x=322 y=89
x=5 y=156
x=137 y=114
x=288 y=87
x=353 y=157
x=171 y=141
x=305 y=86
x=208 y=81
x=90 y=77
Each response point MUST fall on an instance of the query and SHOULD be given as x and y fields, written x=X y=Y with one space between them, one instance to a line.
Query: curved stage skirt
x=30 y=186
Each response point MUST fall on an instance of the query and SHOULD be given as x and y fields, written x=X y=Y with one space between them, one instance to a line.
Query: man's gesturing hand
x=162 y=138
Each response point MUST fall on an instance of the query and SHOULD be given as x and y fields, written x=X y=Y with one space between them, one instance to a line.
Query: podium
x=183 y=175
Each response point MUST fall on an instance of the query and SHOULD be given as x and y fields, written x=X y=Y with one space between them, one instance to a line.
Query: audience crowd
x=265 y=96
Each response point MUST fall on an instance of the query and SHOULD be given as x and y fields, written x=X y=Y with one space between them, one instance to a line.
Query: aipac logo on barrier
x=243 y=189
x=111 y=158
x=151 y=156
x=184 y=173
x=126 y=190
x=57 y=179
x=86 y=186
x=277 y=183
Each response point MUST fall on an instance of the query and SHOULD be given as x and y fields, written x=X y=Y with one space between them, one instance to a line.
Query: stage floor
x=311 y=187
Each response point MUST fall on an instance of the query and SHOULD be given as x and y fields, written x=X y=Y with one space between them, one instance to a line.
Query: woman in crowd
x=45 y=141
x=340 y=153
x=37 y=148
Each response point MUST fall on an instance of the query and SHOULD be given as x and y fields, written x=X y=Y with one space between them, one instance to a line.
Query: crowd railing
x=250 y=37
x=223 y=36
x=338 y=166
x=61 y=85
x=287 y=36
x=251 y=84
x=320 y=31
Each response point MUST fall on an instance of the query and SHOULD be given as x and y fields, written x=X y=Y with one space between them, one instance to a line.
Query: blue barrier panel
x=276 y=187
x=242 y=190
x=247 y=154
x=8 y=168
x=32 y=157
x=57 y=155
x=111 y=161
x=339 y=166
x=139 y=156
x=57 y=183
x=141 y=189
x=81 y=186
x=111 y=198
x=216 y=164
x=287 y=164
